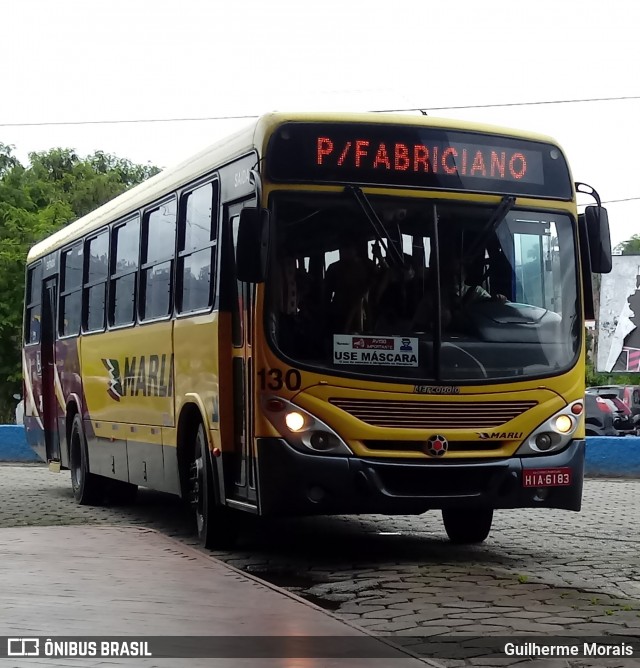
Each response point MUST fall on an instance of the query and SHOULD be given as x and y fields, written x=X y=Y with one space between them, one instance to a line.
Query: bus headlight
x=294 y=420
x=564 y=424
x=301 y=429
x=553 y=434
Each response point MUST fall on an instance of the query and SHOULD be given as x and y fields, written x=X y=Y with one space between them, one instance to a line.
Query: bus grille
x=433 y=414
x=419 y=446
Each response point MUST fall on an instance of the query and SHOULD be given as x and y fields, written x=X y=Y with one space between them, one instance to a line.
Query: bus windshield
x=419 y=289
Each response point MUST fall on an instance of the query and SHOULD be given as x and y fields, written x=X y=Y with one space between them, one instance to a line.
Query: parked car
x=606 y=415
x=628 y=394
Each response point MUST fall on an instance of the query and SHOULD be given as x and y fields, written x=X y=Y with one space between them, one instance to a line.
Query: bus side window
x=197 y=243
x=158 y=251
x=124 y=269
x=34 y=309
x=71 y=292
x=95 y=282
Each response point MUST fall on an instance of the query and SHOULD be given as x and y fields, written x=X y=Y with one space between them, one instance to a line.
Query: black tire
x=215 y=523
x=467 y=526
x=88 y=488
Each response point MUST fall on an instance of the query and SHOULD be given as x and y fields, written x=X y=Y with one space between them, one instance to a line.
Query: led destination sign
x=416 y=157
x=472 y=160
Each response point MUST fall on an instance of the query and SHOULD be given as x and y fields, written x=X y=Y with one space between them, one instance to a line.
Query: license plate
x=546 y=477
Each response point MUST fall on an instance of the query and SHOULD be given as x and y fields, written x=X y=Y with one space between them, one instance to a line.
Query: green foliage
x=57 y=187
x=594 y=378
x=630 y=245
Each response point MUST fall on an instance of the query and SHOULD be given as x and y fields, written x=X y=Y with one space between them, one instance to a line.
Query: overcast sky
x=95 y=60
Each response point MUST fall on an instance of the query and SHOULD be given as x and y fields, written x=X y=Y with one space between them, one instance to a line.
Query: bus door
x=48 y=365
x=240 y=481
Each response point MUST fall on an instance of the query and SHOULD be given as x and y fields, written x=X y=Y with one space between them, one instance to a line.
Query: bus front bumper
x=296 y=483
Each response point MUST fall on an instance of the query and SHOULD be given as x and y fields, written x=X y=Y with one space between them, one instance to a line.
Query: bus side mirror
x=597 y=227
x=252 y=250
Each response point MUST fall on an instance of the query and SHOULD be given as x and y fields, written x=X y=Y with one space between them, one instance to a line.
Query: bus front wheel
x=215 y=525
x=467 y=526
x=88 y=489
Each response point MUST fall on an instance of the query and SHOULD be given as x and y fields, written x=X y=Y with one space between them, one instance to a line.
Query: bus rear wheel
x=88 y=488
x=467 y=526
x=215 y=525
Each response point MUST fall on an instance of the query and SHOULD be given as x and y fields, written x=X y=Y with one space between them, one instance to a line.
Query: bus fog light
x=321 y=440
x=543 y=441
x=564 y=424
x=294 y=421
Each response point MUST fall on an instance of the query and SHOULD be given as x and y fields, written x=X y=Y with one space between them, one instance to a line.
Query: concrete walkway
x=137 y=583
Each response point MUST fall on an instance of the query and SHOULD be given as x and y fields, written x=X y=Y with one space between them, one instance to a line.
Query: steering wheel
x=447 y=346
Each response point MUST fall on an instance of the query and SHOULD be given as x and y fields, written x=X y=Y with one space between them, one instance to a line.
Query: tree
x=630 y=245
x=56 y=188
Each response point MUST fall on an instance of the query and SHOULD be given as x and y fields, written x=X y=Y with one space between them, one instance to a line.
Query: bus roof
x=255 y=136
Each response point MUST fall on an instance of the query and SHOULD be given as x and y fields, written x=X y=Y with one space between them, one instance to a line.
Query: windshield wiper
x=506 y=204
x=380 y=230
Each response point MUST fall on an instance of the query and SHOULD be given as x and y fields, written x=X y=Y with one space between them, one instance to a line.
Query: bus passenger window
x=124 y=267
x=197 y=246
x=95 y=307
x=159 y=234
x=33 y=310
x=95 y=283
x=124 y=293
x=71 y=292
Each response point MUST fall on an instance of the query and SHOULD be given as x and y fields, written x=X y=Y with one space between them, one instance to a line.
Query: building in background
x=619 y=316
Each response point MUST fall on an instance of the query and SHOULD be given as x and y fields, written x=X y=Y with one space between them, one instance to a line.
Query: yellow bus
x=323 y=314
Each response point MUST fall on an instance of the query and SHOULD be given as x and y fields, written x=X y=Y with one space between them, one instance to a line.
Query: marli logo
x=115 y=384
x=147 y=375
x=483 y=435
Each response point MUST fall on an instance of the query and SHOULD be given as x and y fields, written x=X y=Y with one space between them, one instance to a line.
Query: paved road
x=549 y=573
